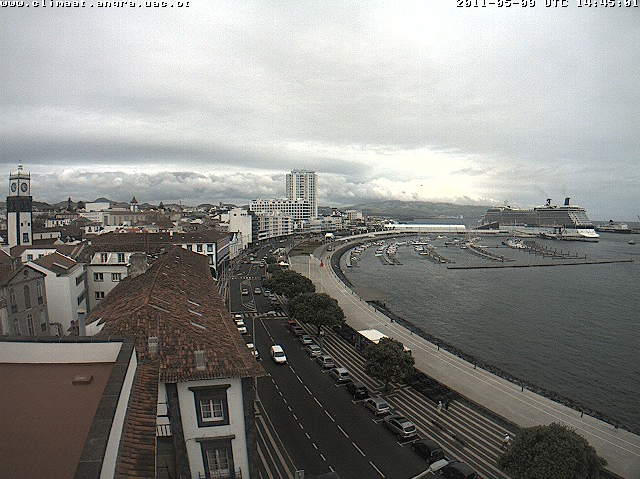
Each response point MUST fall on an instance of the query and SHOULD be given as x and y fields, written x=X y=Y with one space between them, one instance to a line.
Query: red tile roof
x=150 y=242
x=56 y=262
x=137 y=452
x=176 y=300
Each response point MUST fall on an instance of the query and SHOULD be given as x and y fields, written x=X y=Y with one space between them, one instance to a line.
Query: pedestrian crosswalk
x=270 y=314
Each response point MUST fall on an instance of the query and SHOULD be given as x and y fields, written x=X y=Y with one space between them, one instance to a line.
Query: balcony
x=221 y=475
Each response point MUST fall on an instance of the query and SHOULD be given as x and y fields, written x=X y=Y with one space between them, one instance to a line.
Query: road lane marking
x=343 y=431
x=358 y=449
x=333 y=420
x=316 y=400
x=377 y=470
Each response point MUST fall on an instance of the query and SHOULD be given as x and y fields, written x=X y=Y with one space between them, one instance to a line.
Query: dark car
x=357 y=390
x=428 y=450
x=297 y=330
x=458 y=470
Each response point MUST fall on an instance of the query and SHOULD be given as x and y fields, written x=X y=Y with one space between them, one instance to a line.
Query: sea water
x=571 y=330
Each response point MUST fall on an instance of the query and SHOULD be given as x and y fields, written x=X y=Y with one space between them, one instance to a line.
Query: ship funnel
x=566 y=201
x=548 y=201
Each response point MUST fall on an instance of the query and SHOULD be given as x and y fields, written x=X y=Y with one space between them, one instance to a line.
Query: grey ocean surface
x=573 y=330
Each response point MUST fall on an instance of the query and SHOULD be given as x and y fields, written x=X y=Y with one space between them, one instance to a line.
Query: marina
x=553 y=324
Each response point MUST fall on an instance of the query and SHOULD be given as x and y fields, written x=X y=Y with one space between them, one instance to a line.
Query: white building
x=104 y=272
x=243 y=223
x=65 y=285
x=251 y=226
x=302 y=185
x=298 y=209
x=201 y=375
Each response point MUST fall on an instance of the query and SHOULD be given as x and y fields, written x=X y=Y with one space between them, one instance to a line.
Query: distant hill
x=412 y=210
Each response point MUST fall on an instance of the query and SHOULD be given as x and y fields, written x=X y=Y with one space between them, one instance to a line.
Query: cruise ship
x=565 y=222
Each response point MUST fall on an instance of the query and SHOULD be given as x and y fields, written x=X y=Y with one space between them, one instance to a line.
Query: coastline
x=524 y=384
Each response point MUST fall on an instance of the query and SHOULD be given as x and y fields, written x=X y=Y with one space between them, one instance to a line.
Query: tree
x=319 y=309
x=555 y=451
x=289 y=283
x=388 y=361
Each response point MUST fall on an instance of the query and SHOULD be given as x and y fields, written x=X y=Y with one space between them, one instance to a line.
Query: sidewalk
x=620 y=448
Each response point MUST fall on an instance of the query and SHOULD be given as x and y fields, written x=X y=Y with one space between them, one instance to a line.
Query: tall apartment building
x=301 y=185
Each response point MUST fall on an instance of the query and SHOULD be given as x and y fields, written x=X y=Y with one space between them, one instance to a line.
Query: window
x=104 y=258
x=39 y=292
x=211 y=405
x=199 y=248
x=212 y=409
x=218 y=462
x=116 y=277
x=120 y=257
x=25 y=237
x=30 y=328
x=27 y=297
x=80 y=279
x=43 y=321
x=98 y=277
x=16 y=326
x=12 y=301
x=209 y=248
x=29 y=257
x=99 y=295
x=217 y=456
x=81 y=297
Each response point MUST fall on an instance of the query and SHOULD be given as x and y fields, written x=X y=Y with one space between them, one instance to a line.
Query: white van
x=277 y=354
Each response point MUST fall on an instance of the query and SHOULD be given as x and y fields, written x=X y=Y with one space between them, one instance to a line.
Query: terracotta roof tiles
x=176 y=300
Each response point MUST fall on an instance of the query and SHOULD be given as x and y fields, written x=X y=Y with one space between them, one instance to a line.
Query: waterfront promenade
x=524 y=408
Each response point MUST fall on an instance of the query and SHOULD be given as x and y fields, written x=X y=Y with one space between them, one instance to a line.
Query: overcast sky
x=405 y=100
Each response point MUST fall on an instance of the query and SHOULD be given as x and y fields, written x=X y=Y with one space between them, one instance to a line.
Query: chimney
x=82 y=325
x=153 y=346
x=137 y=264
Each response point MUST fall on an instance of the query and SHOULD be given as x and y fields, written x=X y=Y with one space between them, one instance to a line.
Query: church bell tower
x=19 y=208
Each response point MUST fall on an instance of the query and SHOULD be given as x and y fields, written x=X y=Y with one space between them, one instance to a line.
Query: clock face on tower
x=14 y=187
x=23 y=187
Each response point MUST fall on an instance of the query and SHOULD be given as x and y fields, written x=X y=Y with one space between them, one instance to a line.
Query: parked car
x=241 y=326
x=400 y=426
x=357 y=390
x=254 y=351
x=277 y=354
x=245 y=291
x=377 y=405
x=313 y=350
x=325 y=361
x=257 y=290
x=341 y=375
x=306 y=339
x=428 y=450
x=297 y=330
x=458 y=470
